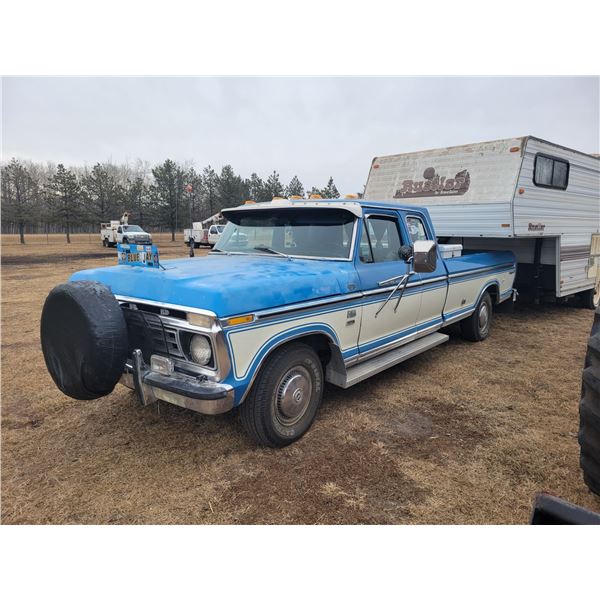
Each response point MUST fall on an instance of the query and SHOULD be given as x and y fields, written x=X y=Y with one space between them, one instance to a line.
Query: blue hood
x=229 y=285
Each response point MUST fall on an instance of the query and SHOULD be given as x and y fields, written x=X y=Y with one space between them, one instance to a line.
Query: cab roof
x=355 y=206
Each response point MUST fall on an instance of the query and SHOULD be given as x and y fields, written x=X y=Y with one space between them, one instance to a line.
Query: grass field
x=466 y=433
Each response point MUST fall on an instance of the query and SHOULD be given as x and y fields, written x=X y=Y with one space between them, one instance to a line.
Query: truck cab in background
x=121 y=232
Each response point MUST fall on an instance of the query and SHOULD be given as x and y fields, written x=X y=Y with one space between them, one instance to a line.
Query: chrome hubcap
x=293 y=395
x=484 y=317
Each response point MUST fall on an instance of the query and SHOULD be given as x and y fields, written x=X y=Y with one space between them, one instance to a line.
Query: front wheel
x=477 y=327
x=285 y=397
x=125 y=240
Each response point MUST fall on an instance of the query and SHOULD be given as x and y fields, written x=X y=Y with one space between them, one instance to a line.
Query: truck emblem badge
x=434 y=185
x=536 y=227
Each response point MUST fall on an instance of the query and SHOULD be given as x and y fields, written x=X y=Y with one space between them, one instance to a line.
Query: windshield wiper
x=270 y=251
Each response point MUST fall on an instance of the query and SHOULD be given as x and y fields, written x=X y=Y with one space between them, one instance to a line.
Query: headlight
x=200 y=350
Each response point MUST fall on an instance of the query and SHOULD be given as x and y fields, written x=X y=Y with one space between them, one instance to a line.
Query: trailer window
x=550 y=172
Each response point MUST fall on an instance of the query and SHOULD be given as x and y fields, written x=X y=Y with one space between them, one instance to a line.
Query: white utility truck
x=536 y=198
x=120 y=232
x=205 y=233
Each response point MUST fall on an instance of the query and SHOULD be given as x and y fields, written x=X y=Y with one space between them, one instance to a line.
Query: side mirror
x=424 y=256
x=405 y=253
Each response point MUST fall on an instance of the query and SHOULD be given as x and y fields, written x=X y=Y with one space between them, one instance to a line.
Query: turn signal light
x=239 y=320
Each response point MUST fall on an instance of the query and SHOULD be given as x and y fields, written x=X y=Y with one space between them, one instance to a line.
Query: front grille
x=148 y=333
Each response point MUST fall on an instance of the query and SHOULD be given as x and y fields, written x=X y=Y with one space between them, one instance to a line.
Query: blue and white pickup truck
x=294 y=294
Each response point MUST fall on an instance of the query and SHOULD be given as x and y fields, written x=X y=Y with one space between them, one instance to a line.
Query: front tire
x=477 y=327
x=125 y=240
x=285 y=397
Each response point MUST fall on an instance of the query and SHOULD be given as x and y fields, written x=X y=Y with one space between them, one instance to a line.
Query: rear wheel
x=285 y=397
x=591 y=298
x=589 y=411
x=477 y=327
x=105 y=243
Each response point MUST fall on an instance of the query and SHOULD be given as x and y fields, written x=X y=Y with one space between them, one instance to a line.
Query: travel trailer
x=533 y=197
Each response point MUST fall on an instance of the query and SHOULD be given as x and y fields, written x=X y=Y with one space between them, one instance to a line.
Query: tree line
x=48 y=198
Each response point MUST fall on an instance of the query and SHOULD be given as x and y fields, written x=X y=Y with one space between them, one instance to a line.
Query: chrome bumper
x=201 y=395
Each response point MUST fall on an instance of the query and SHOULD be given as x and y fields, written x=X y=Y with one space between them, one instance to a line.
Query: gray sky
x=312 y=127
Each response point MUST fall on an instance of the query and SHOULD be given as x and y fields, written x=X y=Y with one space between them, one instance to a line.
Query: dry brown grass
x=466 y=433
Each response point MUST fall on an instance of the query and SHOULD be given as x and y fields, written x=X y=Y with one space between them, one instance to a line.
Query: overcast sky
x=311 y=127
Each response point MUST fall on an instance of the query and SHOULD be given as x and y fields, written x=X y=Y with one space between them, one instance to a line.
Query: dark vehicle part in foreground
x=589 y=411
x=550 y=510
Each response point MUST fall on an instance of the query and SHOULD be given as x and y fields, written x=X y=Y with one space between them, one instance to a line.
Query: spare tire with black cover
x=589 y=411
x=84 y=339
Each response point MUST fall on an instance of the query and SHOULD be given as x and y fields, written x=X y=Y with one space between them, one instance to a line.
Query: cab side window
x=416 y=229
x=384 y=238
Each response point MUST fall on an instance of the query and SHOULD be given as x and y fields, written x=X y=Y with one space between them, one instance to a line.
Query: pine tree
x=103 y=192
x=210 y=182
x=273 y=186
x=64 y=199
x=330 y=191
x=294 y=188
x=19 y=192
x=229 y=188
x=255 y=188
x=169 y=186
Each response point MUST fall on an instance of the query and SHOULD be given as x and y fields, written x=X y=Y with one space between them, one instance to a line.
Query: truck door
x=434 y=286
x=380 y=268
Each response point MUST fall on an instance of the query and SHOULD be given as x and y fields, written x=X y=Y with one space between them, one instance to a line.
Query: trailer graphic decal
x=434 y=185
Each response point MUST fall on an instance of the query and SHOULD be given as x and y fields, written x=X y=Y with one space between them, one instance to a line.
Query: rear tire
x=477 y=327
x=105 y=243
x=589 y=411
x=590 y=298
x=285 y=397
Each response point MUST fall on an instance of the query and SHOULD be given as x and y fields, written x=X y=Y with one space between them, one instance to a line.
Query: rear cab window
x=416 y=228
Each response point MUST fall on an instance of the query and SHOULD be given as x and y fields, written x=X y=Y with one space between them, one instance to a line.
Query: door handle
x=386 y=282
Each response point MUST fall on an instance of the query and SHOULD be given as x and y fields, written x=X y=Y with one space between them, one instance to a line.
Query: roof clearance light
x=351 y=196
x=296 y=198
x=515 y=149
x=250 y=202
x=277 y=199
x=316 y=197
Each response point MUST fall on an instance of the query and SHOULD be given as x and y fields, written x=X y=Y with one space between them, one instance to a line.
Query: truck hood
x=229 y=284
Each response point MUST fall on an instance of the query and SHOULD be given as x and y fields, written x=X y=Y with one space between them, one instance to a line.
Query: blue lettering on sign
x=138 y=255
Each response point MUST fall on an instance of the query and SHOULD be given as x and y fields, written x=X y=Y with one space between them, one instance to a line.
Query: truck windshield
x=305 y=232
x=132 y=228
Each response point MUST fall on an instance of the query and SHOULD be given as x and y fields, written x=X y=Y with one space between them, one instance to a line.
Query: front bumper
x=196 y=393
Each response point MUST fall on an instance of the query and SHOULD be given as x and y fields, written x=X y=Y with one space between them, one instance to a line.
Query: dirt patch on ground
x=466 y=433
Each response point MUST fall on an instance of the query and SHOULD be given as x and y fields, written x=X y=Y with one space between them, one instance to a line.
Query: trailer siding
x=573 y=214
